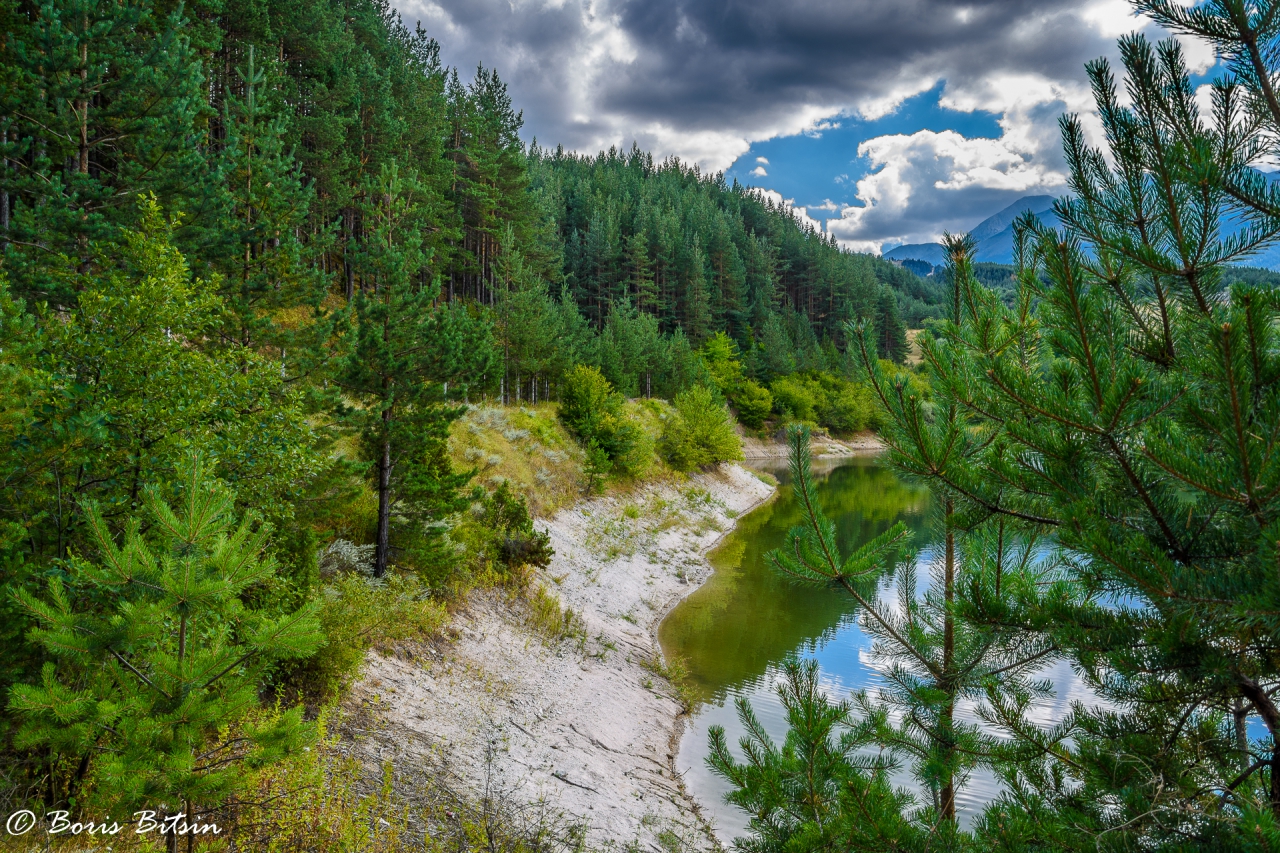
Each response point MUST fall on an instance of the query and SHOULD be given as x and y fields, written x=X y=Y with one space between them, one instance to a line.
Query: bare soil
x=584 y=725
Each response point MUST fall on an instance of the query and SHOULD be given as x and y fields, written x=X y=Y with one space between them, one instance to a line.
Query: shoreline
x=583 y=728
x=678 y=725
x=821 y=446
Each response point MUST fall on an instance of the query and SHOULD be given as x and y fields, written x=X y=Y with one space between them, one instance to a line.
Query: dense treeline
x=703 y=256
x=271 y=250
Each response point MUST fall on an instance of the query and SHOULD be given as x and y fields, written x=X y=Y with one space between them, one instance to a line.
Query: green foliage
x=109 y=96
x=1125 y=400
x=357 y=613
x=105 y=399
x=592 y=410
x=699 y=432
x=753 y=403
x=158 y=655
x=826 y=400
x=933 y=654
x=405 y=347
x=795 y=398
x=721 y=355
x=516 y=543
x=707 y=258
x=822 y=788
x=375 y=250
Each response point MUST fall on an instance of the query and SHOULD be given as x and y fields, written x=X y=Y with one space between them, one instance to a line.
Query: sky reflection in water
x=736 y=629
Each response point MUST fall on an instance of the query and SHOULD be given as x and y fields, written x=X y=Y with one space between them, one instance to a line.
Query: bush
x=848 y=409
x=720 y=352
x=514 y=542
x=753 y=403
x=358 y=612
x=592 y=411
x=826 y=400
x=795 y=398
x=699 y=432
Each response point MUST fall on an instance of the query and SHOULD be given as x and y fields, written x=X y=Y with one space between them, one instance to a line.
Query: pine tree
x=696 y=299
x=255 y=241
x=159 y=661
x=819 y=790
x=1126 y=401
x=891 y=334
x=405 y=347
x=101 y=104
x=641 y=283
x=933 y=658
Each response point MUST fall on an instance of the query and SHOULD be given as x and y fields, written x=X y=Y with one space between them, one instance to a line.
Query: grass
x=527 y=447
x=766 y=478
x=677 y=676
x=636 y=525
x=550 y=620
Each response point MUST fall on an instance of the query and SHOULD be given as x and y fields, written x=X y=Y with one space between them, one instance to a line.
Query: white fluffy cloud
x=704 y=79
x=926 y=182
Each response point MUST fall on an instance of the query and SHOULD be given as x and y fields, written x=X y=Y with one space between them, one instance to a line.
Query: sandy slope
x=581 y=724
x=863 y=442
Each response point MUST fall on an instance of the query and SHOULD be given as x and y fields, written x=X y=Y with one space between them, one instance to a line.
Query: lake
x=734 y=631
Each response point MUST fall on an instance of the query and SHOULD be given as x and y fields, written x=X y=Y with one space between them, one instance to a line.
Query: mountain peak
x=994 y=234
x=993 y=225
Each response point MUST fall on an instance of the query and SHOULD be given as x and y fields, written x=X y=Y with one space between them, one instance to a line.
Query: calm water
x=735 y=630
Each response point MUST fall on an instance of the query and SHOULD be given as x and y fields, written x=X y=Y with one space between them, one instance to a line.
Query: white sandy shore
x=821 y=446
x=582 y=726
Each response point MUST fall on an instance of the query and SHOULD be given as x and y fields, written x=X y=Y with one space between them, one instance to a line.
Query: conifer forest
x=303 y=345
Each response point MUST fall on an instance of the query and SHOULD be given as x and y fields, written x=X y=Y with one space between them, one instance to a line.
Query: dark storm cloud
x=746 y=65
x=710 y=63
x=705 y=78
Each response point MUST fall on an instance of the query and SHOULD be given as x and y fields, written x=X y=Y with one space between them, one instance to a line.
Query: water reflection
x=746 y=618
x=734 y=631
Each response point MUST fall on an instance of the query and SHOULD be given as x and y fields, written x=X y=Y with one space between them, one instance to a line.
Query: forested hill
x=704 y=256
x=295 y=138
x=266 y=253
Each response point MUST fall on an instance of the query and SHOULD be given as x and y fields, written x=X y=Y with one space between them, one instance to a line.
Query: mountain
x=994 y=235
x=930 y=253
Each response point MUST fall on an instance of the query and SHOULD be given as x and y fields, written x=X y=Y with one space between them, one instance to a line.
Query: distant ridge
x=994 y=235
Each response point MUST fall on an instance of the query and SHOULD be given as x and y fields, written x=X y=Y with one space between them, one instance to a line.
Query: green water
x=734 y=631
x=745 y=619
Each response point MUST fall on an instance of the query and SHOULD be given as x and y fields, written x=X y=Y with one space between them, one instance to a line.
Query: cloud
x=704 y=79
x=926 y=182
x=763 y=160
x=759 y=172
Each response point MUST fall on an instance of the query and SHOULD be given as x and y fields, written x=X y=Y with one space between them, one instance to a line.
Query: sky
x=882 y=121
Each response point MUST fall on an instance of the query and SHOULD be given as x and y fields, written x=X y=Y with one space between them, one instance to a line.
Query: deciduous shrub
x=515 y=543
x=699 y=432
x=357 y=613
x=794 y=398
x=826 y=400
x=753 y=403
x=592 y=410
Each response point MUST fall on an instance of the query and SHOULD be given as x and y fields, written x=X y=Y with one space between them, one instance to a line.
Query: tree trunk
x=1271 y=716
x=4 y=194
x=948 y=798
x=348 y=270
x=384 y=499
x=1241 y=714
x=83 y=159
